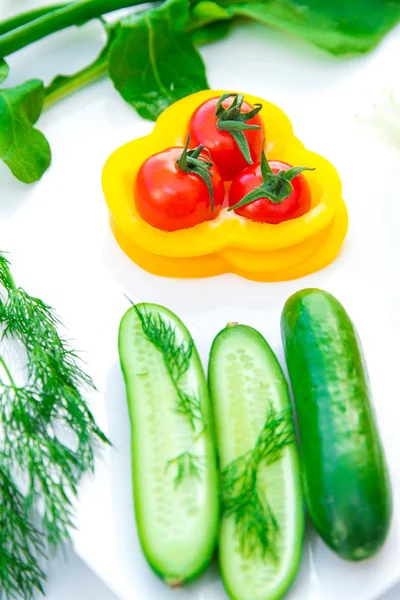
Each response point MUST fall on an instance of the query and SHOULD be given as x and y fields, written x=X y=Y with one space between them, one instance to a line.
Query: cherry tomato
x=224 y=150
x=263 y=210
x=170 y=199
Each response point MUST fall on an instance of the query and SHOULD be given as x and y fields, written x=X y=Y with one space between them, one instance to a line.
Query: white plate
x=62 y=250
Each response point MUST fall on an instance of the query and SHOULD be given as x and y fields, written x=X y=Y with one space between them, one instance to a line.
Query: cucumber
x=173 y=454
x=346 y=481
x=261 y=535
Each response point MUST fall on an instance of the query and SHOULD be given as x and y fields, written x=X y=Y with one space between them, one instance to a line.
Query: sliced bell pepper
x=229 y=244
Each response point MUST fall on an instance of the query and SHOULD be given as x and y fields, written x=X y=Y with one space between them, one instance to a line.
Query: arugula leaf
x=153 y=61
x=340 y=26
x=63 y=86
x=206 y=12
x=208 y=22
x=24 y=149
x=213 y=32
x=3 y=69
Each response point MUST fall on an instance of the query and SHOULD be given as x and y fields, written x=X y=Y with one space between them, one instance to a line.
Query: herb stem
x=6 y=279
x=74 y=13
x=7 y=371
x=27 y=17
x=62 y=87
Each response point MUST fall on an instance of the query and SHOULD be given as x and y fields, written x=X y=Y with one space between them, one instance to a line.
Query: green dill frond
x=31 y=417
x=6 y=279
x=162 y=335
x=256 y=528
x=177 y=357
x=22 y=545
x=186 y=465
x=190 y=407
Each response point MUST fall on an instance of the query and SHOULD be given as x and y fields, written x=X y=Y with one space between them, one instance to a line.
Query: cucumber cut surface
x=246 y=383
x=173 y=455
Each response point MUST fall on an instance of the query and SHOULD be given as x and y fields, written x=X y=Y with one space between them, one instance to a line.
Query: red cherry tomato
x=225 y=152
x=263 y=210
x=170 y=199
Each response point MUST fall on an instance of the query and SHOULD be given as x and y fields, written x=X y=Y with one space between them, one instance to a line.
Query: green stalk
x=27 y=17
x=75 y=13
x=7 y=372
x=62 y=86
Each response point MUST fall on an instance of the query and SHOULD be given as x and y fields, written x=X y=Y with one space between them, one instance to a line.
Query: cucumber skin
x=212 y=476
x=287 y=582
x=345 y=477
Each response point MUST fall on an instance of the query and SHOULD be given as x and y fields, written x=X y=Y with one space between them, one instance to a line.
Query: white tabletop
x=72 y=579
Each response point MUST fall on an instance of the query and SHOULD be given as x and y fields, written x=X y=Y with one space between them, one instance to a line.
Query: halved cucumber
x=173 y=455
x=250 y=399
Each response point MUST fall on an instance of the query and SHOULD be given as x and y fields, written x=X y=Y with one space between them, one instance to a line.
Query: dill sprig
x=33 y=418
x=177 y=357
x=187 y=465
x=256 y=528
x=21 y=544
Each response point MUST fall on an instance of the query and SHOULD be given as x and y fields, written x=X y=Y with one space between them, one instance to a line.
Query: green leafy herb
x=343 y=27
x=33 y=417
x=213 y=32
x=206 y=12
x=55 y=19
x=187 y=465
x=3 y=69
x=255 y=525
x=208 y=22
x=22 y=545
x=177 y=357
x=153 y=61
x=22 y=147
x=62 y=86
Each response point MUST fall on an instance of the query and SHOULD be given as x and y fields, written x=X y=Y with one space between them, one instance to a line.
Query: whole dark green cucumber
x=346 y=482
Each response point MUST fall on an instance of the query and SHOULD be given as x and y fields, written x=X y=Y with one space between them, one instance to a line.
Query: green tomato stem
x=275 y=186
x=74 y=13
x=192 y=161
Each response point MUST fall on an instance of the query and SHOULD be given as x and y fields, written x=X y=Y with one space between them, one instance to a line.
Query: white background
x=74 y=580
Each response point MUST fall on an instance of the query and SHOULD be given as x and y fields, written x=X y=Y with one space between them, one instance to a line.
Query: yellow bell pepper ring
x=229 y=243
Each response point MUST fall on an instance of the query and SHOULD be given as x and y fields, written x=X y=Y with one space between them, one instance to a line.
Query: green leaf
x=206 y=12
x=214 y=32
x=208 y=22
x=3 y=69
x=63 y=86
x=153 y=61
x=343 y=27
x=24 y=149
